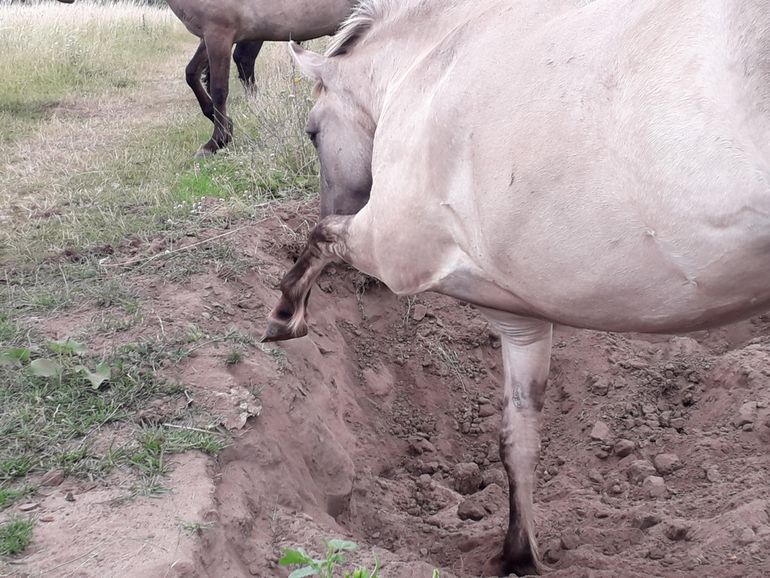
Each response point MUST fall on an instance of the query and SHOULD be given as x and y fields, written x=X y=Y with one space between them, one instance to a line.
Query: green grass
x=15 y=536
x=9 y=495
x=52 y=421
x=99 y=181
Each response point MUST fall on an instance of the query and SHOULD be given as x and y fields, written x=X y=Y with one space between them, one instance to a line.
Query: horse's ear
x=310 y=64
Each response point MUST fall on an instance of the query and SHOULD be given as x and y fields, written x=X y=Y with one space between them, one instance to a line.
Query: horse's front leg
x=328 y=242
x=526 y=348
x=218 y=45
x=195 y=69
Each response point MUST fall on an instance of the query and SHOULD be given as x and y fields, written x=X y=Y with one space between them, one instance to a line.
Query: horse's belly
x=655 y=285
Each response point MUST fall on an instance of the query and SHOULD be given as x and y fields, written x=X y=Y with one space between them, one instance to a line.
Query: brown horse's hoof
x=278 y=330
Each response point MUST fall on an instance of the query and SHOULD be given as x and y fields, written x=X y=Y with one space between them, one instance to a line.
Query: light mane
x=361 y=20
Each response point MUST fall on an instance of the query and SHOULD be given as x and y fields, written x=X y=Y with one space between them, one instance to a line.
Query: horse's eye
x=313 y=136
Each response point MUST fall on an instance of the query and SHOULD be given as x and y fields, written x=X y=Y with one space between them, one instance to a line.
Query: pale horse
x=602 y=165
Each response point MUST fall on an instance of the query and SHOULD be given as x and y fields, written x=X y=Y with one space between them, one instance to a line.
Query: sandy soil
x=654 y=454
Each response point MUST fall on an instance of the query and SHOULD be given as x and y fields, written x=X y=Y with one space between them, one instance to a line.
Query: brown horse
x=245 y=24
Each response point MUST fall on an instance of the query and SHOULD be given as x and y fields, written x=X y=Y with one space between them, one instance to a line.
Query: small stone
x=487 y=410
x=677 y=531
x=645 y=521
x=471 y=509
x=746 y=414
x=600 y=387
x=666 y=464
x=677 y=423
x=570 y=540
x=423 y=552
x=428 y=468
x=28 y=506
x=654 y=486
x=493 y=476
x=52 y=478
x=746 y=537
x=493 y=452
x=601 y=454
x=624 y=448
x=748 y=427
x=656 y=553
x=552 y=553
x=467 y=478
x=601 y=432
x=419 y=312
x=69 y=497
x=639 y=470
x=595 y=476
x=419 y=446
x=713 y=475
x=46 y=519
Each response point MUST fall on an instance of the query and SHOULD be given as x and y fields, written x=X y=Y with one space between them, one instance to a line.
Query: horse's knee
x=191 y=75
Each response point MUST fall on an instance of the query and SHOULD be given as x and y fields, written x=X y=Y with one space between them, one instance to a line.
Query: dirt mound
x=381 y=426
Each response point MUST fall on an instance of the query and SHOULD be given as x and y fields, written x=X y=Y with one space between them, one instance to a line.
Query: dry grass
x=52 y=52
x=99 y=132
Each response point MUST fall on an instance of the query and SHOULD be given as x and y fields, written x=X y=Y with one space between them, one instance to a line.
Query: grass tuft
x=15 y=536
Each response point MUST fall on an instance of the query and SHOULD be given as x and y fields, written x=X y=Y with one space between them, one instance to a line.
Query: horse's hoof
x=278 y=330
x=497 y=567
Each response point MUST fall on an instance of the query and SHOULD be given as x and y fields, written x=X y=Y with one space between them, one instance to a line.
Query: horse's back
x=267 y=20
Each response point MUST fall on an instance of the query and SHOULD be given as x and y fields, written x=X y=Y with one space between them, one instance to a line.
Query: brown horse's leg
x=526 y=346
x=327 y=243
x=218 y=45
x=245 y=55
x=198 y=63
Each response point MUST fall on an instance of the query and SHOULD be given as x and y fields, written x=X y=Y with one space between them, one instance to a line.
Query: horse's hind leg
x=218 y=45
x=526 y=347
x=245 y=55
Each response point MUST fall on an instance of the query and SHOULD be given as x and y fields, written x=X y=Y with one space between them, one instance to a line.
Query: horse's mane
x=364 y=15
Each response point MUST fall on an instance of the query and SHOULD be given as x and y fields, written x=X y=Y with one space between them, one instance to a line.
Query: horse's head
x=342 y=132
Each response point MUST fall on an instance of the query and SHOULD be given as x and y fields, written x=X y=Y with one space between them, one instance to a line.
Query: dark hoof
x=281 y=331
x=500 y=567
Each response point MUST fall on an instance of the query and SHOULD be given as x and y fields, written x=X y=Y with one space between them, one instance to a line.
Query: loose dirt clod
x=467 y=478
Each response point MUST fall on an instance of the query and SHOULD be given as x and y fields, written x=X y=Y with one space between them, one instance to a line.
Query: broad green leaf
x=291 y=557
x=15 y=356
x=303 y=572
x=67 y=347
x=45 y=368
x=97 y=377
x=342 y=545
